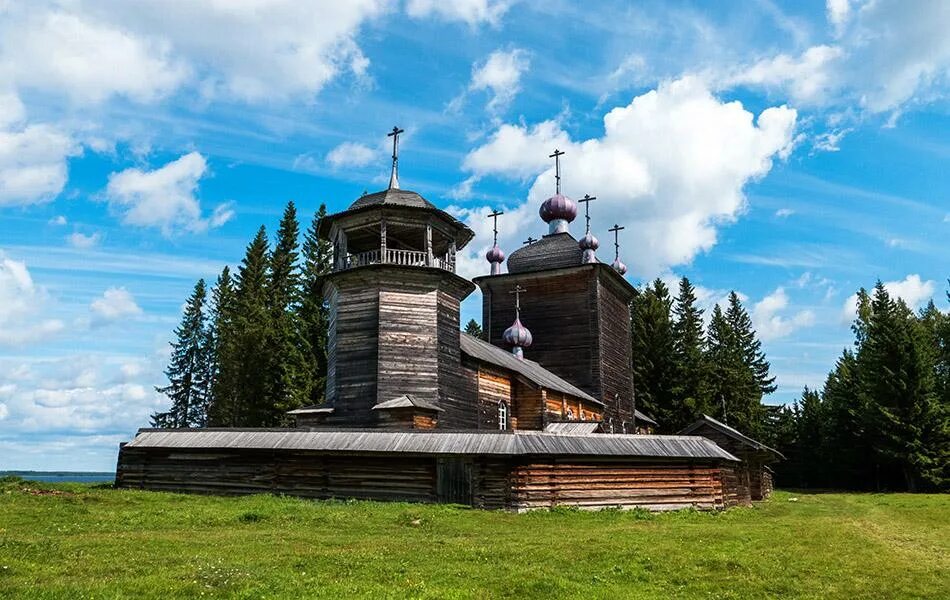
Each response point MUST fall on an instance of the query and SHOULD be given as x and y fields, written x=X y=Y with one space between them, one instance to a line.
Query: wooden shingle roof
x=483 y=351
x=520 y=443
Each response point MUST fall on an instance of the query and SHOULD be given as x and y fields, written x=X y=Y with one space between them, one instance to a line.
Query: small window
x=503 y=416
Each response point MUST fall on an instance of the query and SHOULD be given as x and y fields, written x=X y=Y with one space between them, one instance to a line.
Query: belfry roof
x=392 y=197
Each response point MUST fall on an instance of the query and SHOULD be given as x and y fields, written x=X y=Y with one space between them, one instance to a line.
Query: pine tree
x=222 y=411
x=690 y=370
x=314 y=314
x=653 y=353
x=188 y=369
x=473 y=328
x=289 y=372
x=252 y=406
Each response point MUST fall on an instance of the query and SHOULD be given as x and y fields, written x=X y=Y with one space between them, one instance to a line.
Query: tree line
x=881 y=421
x=257 y=347
x=683 y=368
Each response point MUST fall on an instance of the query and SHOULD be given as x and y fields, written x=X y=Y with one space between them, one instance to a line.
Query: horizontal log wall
x=305 y=474
x=496 y=482
x=596 y=484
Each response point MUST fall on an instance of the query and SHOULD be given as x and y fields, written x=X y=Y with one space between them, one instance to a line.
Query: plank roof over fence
x=735 y=434
x=521 y=443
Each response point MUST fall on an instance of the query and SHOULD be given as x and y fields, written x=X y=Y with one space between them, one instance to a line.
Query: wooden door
x=454 y=480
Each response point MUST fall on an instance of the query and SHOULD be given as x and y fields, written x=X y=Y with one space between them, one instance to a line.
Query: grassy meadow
x=86 y=541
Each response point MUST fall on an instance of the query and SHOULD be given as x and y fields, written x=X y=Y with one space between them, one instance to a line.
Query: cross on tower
x=616 y=230
x=529 y=241
x=517 y=292
x=394 y=177
x=557 y=169
x=494 y=214
x=587 y=198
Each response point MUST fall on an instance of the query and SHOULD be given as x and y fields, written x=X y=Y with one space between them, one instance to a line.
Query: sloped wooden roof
x=707 y=421
x=404 y=199
x=516 y=443
x=406 y=401
x=483 y=351
x=550 y=252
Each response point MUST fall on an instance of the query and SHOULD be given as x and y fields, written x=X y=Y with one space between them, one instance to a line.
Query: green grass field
x=80 y=541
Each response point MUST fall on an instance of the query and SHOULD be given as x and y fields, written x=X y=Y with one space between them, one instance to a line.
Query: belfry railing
x=392 y=256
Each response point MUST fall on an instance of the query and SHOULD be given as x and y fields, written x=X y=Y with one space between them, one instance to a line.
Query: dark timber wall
x=580 y=322
x=482 y=481
x=395 y=331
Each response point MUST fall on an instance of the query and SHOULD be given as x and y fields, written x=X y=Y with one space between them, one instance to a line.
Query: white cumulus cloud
x=350 y=154
x=885 y=56
x=249 y=50
x=472 y=12
x=671 y=167
x=115 y=303
x=165 y=197
x=84 y=242
x=500 y=74
x=33 y=157
x=21 y=304
x=87 y=58
x=770 y=318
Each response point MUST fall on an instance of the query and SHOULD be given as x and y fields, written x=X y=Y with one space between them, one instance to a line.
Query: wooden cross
x=494 y=214
x=517 y=292
x=585 y=200
x=557 y=169
x=616 y=230
x=394 y=177
x=529 y=241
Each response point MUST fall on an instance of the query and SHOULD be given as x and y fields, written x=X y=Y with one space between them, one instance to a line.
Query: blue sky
x=792 y=151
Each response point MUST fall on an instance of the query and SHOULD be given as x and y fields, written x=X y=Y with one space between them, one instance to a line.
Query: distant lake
x=64 y=476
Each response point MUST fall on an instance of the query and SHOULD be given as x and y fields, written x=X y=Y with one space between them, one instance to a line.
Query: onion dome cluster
x=517 y=336
x=557 y=211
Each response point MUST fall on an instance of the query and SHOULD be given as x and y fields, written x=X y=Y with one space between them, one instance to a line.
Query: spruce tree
x=314 y=314
x=847 y=451
x=289 y=374
x=652 y=333
x=690 y=371
x=896 y=383
x=188 y=369
x=754 y=379
x=222 y=411
x=251 y=319
x=473 y=328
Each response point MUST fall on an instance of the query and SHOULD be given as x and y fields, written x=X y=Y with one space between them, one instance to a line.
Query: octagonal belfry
x=394 y=309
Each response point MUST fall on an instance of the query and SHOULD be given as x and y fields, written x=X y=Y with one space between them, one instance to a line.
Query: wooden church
x=539 y=413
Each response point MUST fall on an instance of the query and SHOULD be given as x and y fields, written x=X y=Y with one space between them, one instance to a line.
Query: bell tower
x=394 y=299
